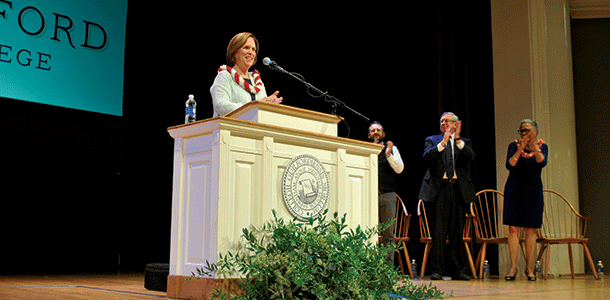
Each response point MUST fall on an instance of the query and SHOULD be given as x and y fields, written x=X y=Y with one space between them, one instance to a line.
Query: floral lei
x=531 y=154
x=244 y=84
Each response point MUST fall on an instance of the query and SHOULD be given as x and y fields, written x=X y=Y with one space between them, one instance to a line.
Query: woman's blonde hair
x=236 y=43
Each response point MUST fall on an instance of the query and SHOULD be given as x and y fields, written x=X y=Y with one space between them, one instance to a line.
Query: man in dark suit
x=448 y=190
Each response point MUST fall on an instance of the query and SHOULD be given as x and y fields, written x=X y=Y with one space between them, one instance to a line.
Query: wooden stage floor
x=131 y=286
x=81 y=286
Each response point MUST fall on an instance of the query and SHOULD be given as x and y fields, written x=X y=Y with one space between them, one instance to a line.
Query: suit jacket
x=433 y=179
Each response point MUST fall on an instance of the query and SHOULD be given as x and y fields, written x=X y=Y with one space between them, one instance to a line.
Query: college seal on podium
x=305 y=186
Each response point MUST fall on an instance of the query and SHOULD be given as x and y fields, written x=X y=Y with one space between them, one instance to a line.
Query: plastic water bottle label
x=191 y=111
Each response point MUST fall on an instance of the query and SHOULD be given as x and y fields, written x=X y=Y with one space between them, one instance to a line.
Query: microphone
x=273 y=65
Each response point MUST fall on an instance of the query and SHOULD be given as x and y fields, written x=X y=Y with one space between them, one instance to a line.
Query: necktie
x=449 y=160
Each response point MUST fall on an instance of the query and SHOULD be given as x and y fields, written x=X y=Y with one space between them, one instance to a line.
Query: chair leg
x=425 y=260
x=472 y=269
x=402 y=268
x=571 y=259
x=590 y=259
x=542 y=249
x=408 y=259
x=478 y=262
x=483 y=253
x=547 y=261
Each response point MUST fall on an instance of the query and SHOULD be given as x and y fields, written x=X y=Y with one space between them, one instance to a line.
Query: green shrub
x=315 y=259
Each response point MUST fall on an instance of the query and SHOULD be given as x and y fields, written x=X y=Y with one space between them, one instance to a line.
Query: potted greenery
x=314 y=259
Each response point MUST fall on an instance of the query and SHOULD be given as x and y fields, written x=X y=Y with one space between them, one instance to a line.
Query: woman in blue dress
x=523 y=198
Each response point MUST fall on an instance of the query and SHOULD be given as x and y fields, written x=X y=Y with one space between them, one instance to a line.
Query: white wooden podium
x=228 y=175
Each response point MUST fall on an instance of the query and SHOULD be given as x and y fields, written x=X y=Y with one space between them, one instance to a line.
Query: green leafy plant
x=315 y=259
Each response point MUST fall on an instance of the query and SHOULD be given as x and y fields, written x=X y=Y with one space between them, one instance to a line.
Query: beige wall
x=533 y=79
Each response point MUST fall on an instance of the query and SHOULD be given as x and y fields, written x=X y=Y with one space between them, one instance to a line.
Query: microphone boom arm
x=336 y=103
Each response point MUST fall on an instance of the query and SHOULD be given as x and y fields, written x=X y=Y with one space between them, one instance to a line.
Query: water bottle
x=190 y=113
x=486 y=271
x=414 y=268
x=539 y=270
x=600 y=270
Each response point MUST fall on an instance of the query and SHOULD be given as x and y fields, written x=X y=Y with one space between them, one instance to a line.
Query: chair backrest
x=560 y=219
x=424 y=228
x=402 y=219
x=488 y=212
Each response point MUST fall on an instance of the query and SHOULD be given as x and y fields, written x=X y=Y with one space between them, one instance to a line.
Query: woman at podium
x=234 y=85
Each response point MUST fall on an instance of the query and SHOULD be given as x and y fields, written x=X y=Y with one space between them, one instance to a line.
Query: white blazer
x=228 y=96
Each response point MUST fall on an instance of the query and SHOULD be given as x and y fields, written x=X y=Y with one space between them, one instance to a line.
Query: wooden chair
x=401 y=233
x=425 y=237
x=562 y=224
x=488 y=215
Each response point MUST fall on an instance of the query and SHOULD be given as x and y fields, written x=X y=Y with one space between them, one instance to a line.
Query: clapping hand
x=458 y=129
x=455 y=127
x=388 y=150
x=526 y=140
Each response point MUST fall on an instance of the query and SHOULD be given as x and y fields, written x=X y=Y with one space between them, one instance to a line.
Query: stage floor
x=79 y=286
x=582 y=287
x=131 y=286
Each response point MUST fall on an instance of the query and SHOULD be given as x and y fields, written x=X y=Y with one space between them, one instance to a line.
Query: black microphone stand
x=336 y=103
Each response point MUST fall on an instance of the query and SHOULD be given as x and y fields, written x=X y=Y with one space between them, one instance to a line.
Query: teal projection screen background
x=68 y=53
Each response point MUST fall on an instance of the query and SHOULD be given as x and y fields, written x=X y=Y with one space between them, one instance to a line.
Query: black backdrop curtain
x=465 y=78
x=465 y=84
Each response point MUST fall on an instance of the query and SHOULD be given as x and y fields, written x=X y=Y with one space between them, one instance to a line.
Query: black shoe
x=436 y=276
x=530 y=278
x=461 y=276
x=511 y=278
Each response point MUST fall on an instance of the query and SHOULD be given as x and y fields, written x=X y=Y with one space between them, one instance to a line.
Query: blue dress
x=523 y=198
